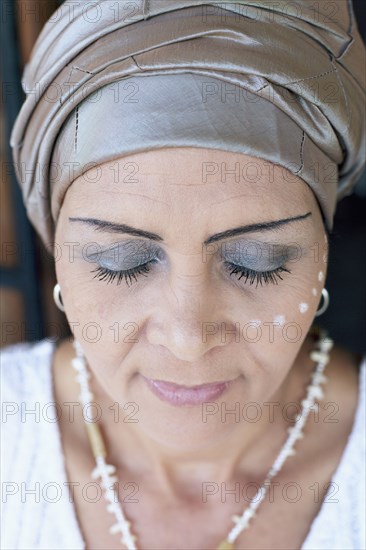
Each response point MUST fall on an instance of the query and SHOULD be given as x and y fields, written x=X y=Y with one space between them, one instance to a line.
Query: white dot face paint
x=314 y=292
x=320 y=276
x=280 y=319
x=303 y=307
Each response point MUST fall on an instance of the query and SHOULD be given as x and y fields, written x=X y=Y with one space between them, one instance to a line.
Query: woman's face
x=190 y=317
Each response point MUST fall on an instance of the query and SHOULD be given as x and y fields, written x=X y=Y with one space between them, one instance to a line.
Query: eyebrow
x=110 y=227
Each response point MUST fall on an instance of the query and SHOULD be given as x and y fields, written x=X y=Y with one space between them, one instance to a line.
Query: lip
x=186 y=395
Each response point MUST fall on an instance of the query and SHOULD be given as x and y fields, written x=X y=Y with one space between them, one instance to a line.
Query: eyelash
x=260 y=276
x=104 y=274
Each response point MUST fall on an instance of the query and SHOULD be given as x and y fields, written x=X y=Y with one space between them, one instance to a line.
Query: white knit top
x=37 y=505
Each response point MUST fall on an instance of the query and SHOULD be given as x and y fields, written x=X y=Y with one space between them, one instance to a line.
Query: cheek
x=278 y=317
x=104 y=318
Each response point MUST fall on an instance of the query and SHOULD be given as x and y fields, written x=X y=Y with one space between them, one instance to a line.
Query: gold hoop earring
x=57 y=297
x=325 y=305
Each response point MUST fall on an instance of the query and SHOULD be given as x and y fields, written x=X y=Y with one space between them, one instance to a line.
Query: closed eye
x=250 y=275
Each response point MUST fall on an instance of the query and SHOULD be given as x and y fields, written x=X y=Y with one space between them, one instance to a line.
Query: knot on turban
x=284 y=81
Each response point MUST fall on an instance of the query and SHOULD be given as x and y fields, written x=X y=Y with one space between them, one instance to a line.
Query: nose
x=190 y=321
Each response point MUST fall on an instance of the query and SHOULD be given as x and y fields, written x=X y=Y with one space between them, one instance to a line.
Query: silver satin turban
x=282 y=81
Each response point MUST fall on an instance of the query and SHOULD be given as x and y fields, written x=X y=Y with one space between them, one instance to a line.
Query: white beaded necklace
x=105 y=471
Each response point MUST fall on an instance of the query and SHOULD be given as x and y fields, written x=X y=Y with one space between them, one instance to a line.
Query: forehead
x=195 y=178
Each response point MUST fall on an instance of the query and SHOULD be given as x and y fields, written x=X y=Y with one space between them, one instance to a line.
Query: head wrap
x=283 y=81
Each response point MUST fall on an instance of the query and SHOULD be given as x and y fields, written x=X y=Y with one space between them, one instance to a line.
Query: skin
x=170 y=306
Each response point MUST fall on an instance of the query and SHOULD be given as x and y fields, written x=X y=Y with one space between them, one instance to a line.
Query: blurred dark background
x=27 y=272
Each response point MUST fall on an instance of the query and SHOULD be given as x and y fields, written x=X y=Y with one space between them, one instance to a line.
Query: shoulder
x=25 y=368
x=26 y=387
x=26 y=392
x=343 y=411
x=32 y=461
x=337 y=428
x=337 y=455
x=27 y=403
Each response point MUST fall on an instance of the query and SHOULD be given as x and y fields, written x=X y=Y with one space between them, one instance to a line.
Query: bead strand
x=102 y=469
x=295 y=432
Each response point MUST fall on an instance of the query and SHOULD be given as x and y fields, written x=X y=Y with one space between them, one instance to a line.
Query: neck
x=253 y=445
